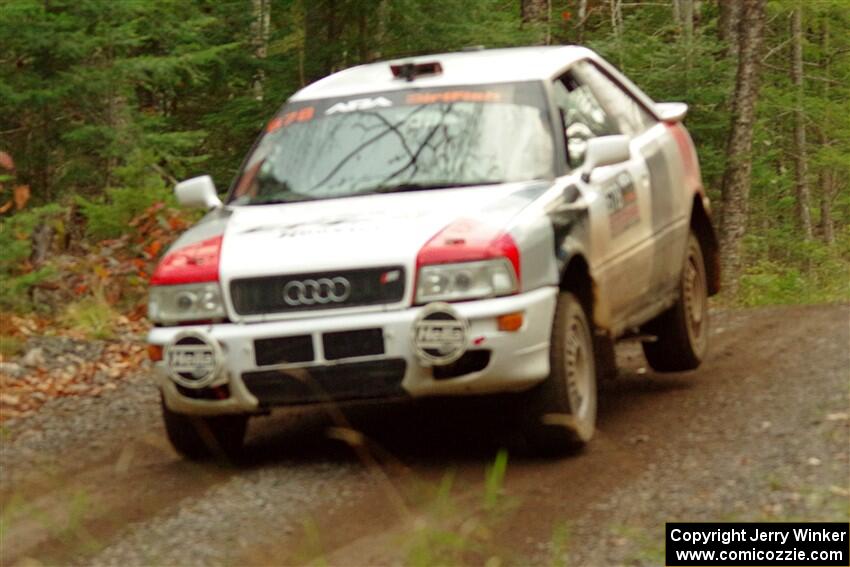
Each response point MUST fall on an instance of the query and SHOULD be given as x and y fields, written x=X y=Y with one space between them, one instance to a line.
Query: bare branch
x=774 y=50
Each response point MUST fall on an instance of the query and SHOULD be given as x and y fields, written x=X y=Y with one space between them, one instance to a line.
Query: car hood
x=366 y=231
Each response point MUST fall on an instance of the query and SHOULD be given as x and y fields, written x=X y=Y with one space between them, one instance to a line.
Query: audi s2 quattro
x=465 y=223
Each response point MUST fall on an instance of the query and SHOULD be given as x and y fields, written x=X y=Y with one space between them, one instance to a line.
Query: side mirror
x=605 y=150
x=197 y=192
x=671 y=111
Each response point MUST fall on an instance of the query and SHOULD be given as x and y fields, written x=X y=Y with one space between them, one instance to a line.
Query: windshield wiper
x=280 y=199
x=405 y=187
x=293 y=197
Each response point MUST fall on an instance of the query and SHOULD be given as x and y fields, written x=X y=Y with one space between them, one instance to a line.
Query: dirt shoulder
x=760 y=432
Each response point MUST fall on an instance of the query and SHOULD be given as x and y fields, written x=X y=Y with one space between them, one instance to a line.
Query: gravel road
x=760 y=432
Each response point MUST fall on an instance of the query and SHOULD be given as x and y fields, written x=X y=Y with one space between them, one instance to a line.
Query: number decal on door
x=621 y=201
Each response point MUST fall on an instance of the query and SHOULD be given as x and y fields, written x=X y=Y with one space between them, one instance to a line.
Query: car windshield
x=400 y=141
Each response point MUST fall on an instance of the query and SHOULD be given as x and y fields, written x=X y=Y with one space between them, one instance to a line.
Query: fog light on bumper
x=440 y=335
x=193 y=360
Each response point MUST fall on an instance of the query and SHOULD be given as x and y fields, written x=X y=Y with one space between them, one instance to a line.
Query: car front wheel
x=559 y=414
x=198 y=438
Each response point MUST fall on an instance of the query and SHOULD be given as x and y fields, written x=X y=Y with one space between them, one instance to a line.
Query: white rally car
x=464 y=223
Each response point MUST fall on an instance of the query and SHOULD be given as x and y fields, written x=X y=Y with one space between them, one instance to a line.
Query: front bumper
x=518 y=359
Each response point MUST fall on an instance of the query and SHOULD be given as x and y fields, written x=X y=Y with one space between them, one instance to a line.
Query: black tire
x=682 y=330
x=199 y=438
x=606 y=357
x=558 y=415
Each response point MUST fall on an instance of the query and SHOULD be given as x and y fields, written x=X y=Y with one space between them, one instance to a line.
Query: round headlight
x=185 y=300
x=463 y=281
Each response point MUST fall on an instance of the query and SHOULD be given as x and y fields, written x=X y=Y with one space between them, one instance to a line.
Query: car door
x=618 y=198
x=652 y=140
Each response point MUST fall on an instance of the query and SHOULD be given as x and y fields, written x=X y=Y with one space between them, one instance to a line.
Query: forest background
x=105 y=104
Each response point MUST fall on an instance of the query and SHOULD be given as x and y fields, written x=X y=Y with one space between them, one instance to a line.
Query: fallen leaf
x=153 y=248
x=9 y=399
x=21 y=196
x=6 y=161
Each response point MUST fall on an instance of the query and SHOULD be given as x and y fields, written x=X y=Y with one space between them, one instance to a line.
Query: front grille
x=347 y=344
x=282 y=350
x=318 y=290
x=352 y=381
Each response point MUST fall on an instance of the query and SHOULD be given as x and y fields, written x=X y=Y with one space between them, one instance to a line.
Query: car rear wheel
x=559 y=414
x=682 y=330
x=199 y=438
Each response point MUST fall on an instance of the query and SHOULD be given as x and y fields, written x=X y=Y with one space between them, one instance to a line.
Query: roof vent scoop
x=409 y=71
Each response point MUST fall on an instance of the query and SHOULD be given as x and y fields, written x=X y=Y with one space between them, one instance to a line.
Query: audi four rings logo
x=321 y=291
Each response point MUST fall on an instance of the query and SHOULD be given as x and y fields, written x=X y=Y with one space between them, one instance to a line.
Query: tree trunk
x=735 y=189
x=536 y=13
x=362 y=37
x=826 y=225
x=730 y=14
x=379 y=38
x=687 y=23
x=617 y=18
x=333 y=30
x=533 y=11
x=260 y=21
x=41 y=243
x=688 y=19
x=801 y=184
x=315 y=44
x=825 y=175
x=582 y=16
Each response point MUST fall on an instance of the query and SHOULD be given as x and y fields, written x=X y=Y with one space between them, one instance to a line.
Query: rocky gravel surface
x=90 y=427
x=60 y=366
x=760 y=432
x=765 y=479
x=263 y=497
x=773 y=447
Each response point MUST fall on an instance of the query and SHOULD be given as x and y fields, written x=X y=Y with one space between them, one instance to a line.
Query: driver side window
x=583 y=117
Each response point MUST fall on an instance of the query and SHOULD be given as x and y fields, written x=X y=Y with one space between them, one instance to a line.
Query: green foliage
x=495 y=480
x=10 y=346
x=668 y=69
x=782 y=266
x=92 y=316
x=107 y=103
x=14 y=292
x=15 y=250
x=85 y=83
x=558 y=546
x=645 y=547
x=108 y=216
x=801 y=272
x=450 y=535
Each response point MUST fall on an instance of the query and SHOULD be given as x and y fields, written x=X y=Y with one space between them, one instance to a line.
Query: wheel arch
x=707 y=237
x=576 y=278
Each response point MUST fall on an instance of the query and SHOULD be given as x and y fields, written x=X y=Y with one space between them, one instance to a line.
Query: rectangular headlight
x=170 y=304
x=465 y=280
